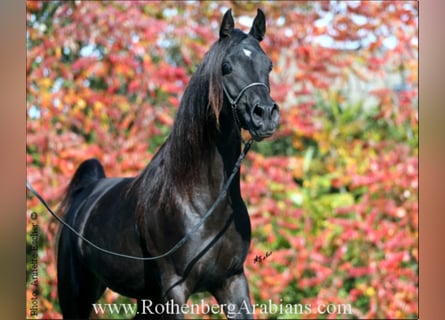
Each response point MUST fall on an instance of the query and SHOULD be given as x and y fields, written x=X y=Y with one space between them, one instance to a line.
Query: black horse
x=147 y=215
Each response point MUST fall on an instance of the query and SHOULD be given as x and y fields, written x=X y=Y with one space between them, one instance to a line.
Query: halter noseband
x=234 y=103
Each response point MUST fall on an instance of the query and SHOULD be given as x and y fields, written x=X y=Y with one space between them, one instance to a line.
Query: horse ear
x=259 y=26
x=227 y=25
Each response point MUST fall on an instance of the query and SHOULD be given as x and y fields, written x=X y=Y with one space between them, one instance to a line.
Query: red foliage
x=335 y=203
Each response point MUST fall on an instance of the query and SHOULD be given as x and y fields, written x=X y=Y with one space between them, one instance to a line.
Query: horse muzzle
x=264 y=120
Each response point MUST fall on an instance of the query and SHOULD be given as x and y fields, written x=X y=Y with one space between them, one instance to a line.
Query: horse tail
x=88 y=172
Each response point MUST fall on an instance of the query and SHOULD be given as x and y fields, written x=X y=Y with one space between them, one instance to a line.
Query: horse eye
x=226 y=68
x=270 y=67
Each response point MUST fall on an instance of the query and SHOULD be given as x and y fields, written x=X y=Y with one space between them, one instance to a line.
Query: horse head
x=245 y=74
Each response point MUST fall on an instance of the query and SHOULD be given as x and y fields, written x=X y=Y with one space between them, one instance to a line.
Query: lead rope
x=181 y=242
x=221 y=196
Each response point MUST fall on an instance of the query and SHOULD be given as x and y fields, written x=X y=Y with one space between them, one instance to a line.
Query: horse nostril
x=275 y=112
x=275 y=108
x=258 y=110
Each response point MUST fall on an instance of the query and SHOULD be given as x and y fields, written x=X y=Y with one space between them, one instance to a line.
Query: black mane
x=196 y=126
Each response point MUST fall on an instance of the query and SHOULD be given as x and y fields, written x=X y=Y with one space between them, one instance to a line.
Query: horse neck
x=223 y=147
x=215 y=172
x=171 y=174
x=228 y=143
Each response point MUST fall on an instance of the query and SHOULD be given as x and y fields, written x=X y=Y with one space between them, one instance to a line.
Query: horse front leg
x=233 y=296
x=175 y=296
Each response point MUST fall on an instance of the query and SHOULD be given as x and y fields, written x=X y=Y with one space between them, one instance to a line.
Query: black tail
x=75 y=283
x=89 y=171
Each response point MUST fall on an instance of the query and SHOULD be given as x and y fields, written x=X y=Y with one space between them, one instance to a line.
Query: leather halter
x=234 y=102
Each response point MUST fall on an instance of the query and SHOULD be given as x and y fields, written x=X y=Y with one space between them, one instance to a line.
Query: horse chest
x=230 y=250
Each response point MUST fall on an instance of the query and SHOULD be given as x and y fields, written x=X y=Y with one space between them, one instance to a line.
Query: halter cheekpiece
x=234 y=103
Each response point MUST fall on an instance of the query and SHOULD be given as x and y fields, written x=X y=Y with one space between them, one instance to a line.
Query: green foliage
x=333 y=195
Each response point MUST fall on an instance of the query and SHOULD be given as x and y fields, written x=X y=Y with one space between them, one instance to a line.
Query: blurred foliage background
x=333 y=195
